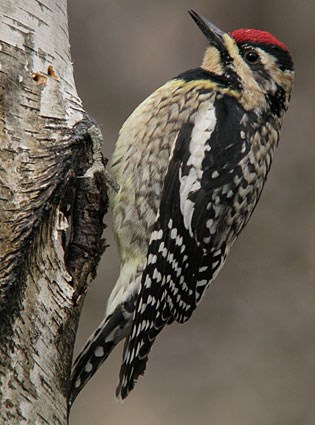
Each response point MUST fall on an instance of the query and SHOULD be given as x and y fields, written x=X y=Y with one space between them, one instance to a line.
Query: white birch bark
x=50 y=216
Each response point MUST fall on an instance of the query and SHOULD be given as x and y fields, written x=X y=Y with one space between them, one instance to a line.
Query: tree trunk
x=52 y=203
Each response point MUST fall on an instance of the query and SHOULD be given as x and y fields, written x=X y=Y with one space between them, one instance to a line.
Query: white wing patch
x=204 y=125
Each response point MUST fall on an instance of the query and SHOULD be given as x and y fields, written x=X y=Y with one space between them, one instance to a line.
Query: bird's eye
x=251 y=57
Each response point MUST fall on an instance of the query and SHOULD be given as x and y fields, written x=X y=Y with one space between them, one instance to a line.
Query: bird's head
x=253 y=62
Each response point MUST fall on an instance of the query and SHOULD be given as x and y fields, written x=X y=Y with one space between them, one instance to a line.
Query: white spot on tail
x=99 y=352
x=88 y=367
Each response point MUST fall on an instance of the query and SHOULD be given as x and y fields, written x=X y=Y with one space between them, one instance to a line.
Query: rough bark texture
x=52 y=203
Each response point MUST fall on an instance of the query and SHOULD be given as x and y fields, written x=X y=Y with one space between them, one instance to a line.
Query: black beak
x=213 y=34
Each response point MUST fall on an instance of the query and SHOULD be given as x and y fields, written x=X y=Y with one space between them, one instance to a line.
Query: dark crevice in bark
x=84 y=245
x=83 y=242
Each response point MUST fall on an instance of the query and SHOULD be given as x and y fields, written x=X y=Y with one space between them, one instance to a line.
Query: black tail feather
x=114 y=328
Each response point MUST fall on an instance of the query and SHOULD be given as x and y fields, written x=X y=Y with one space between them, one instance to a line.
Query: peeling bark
x=52 y=202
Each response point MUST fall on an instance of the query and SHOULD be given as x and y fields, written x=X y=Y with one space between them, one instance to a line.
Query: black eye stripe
x=283 y=57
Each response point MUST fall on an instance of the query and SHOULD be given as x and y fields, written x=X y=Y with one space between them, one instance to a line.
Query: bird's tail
x=135 y=357
x=112 y=330
x=152 y=313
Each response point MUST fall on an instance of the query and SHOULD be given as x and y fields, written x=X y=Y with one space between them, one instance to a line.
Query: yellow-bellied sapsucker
x=191 y=162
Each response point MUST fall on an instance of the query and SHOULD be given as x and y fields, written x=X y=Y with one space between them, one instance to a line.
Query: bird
x=190 y=162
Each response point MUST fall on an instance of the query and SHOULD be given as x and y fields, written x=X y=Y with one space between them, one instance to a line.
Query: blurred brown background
x=247 y=357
